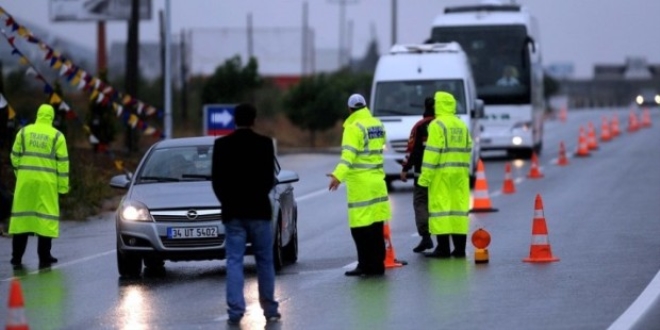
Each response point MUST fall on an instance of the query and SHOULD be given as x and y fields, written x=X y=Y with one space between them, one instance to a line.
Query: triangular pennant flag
x=151 y=110
x=100 y=98
x=64 y=69
x=12 y=113
x=3 y=101
x=31 y=72
x=95 y=93
x=2 y=11
x=55 y=99
x=119 y=109
x=23 y=60
x=57 y=64
x=93 y=139
x=132 y=120
x=9 y=21
x=22 y=31
x=149 y=131
x=11 y=40
x=127 y=100
x=81 y=84
x=32 y=39
x=140 y=107
x=48 y=89
x=71 y=115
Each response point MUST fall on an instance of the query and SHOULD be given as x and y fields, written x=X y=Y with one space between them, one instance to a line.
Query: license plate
x=191 y=232
x=485 y=141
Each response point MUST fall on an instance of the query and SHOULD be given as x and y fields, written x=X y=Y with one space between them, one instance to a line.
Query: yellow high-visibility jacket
x=40 y=160
x=445 y=169
x=361 y=167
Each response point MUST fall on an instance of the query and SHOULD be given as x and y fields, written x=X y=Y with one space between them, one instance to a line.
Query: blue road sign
x=219 y=119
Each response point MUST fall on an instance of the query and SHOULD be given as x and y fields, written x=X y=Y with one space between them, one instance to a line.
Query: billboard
x=96 y=10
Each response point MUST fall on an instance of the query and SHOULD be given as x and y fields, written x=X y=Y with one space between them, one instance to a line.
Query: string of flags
x=128 y=109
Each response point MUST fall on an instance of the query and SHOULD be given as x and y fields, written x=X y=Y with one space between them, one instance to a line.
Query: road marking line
x=315 y=194
x=639 y=306
x=62 y=265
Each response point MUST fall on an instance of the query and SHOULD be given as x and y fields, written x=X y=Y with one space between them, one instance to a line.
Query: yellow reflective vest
x=445 y=169
x=361 y=167
x=40 y=160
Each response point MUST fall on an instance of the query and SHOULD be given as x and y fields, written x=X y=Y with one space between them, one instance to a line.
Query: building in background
x=150 y=61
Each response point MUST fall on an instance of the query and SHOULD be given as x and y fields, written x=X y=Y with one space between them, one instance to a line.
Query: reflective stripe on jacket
x=361 y=167
x=40 y=160
x=445 y=169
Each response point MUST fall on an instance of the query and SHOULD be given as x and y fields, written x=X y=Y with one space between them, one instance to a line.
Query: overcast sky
x=583 y=32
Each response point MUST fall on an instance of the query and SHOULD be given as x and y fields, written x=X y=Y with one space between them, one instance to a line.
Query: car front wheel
x=128 y=266
x=277 y=248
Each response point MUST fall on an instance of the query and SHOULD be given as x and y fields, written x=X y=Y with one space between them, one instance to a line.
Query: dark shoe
x=355 y=272
x=235 y=322
x=459 y=245
x=425 y=244
x=273 y=318
x=47 y=262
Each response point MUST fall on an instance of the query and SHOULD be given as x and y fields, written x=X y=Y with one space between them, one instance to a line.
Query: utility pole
x=101 y=52
x=250 y=37
x=394 y=22
x=305 y=39
x=183 y=62
x=168 y=70
x=132 y=61
x=349 y=42
x=342 y=25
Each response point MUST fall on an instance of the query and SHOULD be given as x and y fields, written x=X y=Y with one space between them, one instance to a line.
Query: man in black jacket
x=243 y=175
x=414 y=155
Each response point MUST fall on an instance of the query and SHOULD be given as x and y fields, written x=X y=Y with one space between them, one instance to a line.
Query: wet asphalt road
x=602 y=217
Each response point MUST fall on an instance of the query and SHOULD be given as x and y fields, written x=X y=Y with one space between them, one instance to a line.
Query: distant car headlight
x=657 y=99
x=640 y=99
x=523 y=125
x=134 y=211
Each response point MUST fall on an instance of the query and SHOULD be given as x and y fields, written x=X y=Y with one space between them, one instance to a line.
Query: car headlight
x=657 y=99
x=639 y=99
x=134 y=211
x=523 y=125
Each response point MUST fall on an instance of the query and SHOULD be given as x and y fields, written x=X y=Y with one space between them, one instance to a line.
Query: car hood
x=173 y=195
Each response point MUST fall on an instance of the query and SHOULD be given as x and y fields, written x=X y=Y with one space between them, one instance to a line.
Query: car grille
x=182 y=216
x=193 y=242
x=399 y=146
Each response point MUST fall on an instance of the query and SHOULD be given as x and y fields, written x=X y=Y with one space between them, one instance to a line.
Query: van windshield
x=406 y=98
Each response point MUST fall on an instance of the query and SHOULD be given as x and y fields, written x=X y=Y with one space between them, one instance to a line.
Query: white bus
x=502 y=42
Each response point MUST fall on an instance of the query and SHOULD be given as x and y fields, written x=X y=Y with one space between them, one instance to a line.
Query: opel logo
x=192 y=214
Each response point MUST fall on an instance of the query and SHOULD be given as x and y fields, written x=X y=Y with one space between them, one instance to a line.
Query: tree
x=232 y=82
x=314 y=105
x=550 y=86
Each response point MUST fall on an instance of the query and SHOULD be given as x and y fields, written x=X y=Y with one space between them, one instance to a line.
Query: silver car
x=170 y=212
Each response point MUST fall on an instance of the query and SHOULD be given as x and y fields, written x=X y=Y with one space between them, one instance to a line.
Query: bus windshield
x=406 y=98
x=499 y=59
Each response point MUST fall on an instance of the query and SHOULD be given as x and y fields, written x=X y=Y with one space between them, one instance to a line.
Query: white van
x=404 y=78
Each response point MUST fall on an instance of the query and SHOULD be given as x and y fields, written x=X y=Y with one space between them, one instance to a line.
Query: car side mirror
x=287 y=177
x=121 y=181
x=478 y=111
x=530 y=41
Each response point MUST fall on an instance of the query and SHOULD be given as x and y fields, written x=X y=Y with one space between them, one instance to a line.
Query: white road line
x=639 y=306
x=315 y=194
x=65 y=264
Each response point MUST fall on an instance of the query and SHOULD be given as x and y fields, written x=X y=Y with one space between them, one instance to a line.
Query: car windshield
x=406 y=98
x=177 y=164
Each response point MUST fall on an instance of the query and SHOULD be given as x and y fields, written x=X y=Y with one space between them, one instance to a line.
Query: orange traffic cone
x=605 y=130
x=16 y=312
x=563 y=114
x=562 y=161
x=592 y=142
x=646 y=118
x=583 y=148
x=615 y=126
x=534 y=171
x=480 y=197
x=632 y=121
x=390 y=256
x=508 y=187
x=540 y=250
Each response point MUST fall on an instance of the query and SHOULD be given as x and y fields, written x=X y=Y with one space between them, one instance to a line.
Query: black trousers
x=19 y=243
x=370 y=245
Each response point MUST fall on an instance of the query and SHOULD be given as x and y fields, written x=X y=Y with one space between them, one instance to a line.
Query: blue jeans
x=260 y=233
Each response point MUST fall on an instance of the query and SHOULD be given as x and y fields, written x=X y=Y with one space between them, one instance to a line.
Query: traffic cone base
x=583 y=147
x=480 y=197
x=390 y=255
